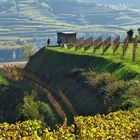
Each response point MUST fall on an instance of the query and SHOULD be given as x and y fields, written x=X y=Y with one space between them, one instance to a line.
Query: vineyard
x=119 y=53
x=74 y=85
x=119 y=125
x=88 y=89
x=88 y=43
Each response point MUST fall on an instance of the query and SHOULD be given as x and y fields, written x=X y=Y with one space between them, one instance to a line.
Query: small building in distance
x=66 y=37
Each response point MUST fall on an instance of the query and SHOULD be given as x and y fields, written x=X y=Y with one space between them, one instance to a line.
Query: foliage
x=116 y=125
x=130 y=34
x=114 y=94
x=25 y=101
x=3 y=81
x=29 y=108
x=3 y=84
x=21 y=130
x=46 y=111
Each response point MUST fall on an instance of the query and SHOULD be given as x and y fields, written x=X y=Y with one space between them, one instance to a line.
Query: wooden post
x=116 y=44
x=134 y=50
x=126 y=42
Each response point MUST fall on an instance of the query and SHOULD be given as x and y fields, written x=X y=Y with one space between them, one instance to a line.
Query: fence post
x=134 y=50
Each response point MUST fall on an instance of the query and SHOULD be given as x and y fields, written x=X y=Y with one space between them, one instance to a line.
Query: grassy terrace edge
x=122 y=67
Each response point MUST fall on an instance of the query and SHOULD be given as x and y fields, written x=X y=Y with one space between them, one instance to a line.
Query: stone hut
x=66 y=37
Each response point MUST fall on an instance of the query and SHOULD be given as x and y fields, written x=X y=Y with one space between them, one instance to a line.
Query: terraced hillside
x=25 y=20
x=29 y=20
x=37 y=20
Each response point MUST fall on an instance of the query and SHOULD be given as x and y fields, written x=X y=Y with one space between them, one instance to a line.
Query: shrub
x=29 y=108
x=117 y=125
x=20 y=130
x=112 y=93
x=114 y=126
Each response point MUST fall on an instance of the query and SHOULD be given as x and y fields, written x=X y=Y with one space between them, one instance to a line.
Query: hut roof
x=67 y=32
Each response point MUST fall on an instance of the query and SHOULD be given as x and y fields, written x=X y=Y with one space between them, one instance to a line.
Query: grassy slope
x=128 y=68
x=85 y=90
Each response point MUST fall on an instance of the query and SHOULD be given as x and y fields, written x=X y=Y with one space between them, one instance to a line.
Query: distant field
x=4 y=47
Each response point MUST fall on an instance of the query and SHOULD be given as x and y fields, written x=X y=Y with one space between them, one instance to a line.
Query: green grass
x=117 y=58
x=3 y=81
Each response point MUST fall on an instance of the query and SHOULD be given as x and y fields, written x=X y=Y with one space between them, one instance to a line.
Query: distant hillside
x=37 y=20
x=135 y=4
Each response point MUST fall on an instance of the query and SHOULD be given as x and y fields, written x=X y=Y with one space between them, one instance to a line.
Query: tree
x=139 y=30
x=130 y=34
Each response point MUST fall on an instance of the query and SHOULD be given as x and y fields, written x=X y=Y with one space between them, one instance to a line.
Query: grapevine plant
x=121 y=125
